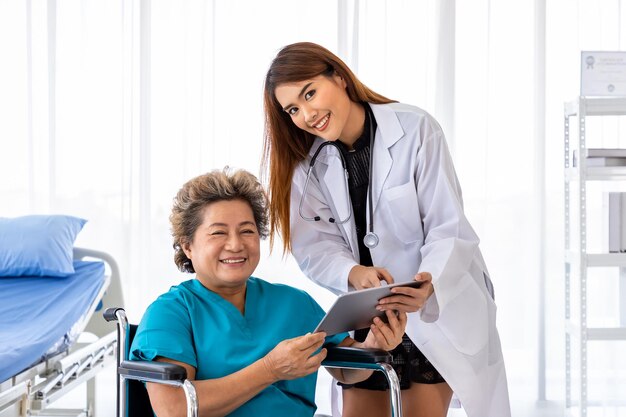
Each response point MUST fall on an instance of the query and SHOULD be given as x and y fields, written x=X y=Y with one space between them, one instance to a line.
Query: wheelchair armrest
x=348 y=355
x=152 y=371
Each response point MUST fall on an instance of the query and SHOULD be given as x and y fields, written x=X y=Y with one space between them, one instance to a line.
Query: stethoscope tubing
x=370 y=240
x=306 y=187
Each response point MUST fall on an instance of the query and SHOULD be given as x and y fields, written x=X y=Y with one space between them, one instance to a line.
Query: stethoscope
x=370 y=240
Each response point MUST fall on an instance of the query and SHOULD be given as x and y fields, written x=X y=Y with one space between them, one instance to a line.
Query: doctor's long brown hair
x=284 y=143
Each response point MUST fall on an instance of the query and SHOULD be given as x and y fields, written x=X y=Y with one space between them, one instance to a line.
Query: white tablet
x=356 y=310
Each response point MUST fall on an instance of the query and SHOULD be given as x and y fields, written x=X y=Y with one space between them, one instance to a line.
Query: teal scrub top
x=194 y=325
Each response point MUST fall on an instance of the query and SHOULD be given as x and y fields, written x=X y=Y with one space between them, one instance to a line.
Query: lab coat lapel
x=388 y=132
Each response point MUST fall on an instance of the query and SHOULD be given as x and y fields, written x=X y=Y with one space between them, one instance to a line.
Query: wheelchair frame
x=171 y=374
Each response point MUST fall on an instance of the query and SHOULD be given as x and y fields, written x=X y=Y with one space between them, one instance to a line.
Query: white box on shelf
x=606 y=162
x=606 y=152
x=617 y=222
x=601 y=157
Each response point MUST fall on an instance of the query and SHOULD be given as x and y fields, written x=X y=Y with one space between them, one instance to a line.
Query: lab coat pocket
x=464 y=320
x=404 y=212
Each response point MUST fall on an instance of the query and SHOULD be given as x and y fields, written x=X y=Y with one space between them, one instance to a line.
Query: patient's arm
x=382 y=335
x=290 y=359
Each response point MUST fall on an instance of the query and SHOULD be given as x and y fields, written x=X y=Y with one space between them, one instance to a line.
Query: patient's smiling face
x=226 y=247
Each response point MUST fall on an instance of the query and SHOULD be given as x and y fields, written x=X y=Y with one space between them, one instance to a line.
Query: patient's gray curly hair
x=214 y=186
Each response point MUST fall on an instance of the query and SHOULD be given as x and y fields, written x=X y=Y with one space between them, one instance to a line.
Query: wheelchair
x=132 y=396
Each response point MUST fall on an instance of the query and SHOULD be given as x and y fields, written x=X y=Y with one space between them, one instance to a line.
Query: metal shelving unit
x=579 y=260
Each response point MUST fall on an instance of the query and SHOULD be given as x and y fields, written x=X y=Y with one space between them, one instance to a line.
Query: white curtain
x=108 y=107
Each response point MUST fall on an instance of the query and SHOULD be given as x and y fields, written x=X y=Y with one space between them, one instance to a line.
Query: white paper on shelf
x=603 y=73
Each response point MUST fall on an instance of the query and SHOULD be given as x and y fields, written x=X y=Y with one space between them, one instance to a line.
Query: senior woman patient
x=246 y=343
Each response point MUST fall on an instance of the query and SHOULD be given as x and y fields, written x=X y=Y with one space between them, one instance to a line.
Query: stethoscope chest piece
x=370 y=240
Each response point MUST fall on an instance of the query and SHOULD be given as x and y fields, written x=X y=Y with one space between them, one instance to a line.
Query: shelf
x=597 y=106
x=597 y=333
x=598 y=259
x=597 y=174
x=578 y=258
x=599 y=403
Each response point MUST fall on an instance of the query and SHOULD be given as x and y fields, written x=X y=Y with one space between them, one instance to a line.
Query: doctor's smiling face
x=322 y=107
x=225 y=249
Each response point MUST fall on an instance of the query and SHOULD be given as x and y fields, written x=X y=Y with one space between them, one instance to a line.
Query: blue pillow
x=38 y=245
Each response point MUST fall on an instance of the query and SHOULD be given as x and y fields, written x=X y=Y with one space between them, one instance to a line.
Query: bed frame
x=30 y=392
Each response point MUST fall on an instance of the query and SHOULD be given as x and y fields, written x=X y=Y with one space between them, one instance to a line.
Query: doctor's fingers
x=361 y=277
x=421 y=293
x=370 y=280
x=423 y=277
x=368 y=276
x=401 y=302
x=373 y=277
x=384 y=275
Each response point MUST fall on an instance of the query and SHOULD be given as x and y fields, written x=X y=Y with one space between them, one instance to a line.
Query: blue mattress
x=38 y=313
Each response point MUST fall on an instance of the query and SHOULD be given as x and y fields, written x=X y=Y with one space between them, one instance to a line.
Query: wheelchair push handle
x=109 y=313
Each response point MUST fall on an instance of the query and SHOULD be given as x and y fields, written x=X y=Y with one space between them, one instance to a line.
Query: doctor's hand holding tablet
x=407 y=299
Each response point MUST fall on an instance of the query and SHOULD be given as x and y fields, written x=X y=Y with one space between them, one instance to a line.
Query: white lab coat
x=418 y=216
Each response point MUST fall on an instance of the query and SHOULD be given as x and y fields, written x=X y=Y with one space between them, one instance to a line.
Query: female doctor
x=363 y=190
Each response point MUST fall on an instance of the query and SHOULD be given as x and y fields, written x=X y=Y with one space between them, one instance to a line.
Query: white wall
x=107 y=107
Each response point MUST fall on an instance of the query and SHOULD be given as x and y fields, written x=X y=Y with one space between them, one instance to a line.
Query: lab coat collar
x=388 y=124
x=388 y=132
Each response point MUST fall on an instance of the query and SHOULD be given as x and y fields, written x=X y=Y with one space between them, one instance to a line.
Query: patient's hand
x=388 y=335
x=293 y=358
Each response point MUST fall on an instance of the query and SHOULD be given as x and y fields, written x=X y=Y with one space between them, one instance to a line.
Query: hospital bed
x=42 y=357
